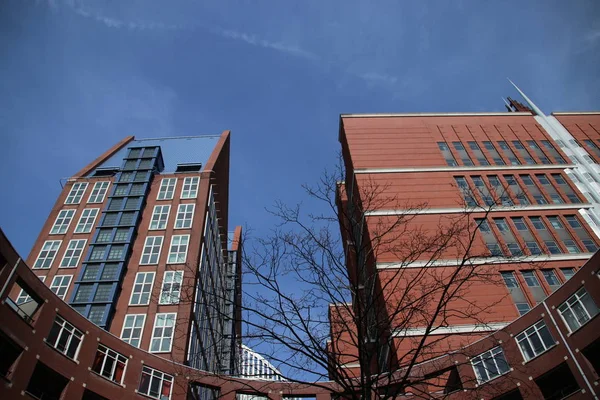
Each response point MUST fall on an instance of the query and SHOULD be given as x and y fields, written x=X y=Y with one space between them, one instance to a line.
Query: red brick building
x=524 y=189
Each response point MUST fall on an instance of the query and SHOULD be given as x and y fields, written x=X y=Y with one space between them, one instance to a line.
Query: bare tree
x=317 y=305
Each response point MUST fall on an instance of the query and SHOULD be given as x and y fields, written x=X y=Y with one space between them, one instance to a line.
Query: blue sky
x=76 y=76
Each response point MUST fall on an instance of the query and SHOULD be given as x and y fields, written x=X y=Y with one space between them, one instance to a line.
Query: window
x=63 y=220
x=104 y=236
x=83 y=293
x=178 y=250
x=65 y=338
x=537 y=223
x=103 y=292
x=115 y=204
x=442 y=146
x=73 y=253
x=132 y=329
x=171 y=287
x=550 y=277
x=127 y=218
x=571 y=246
x=577 y=310
x=60 y=285
x=160 y=215
x=133 y=203
x=190 y=187
x=86 y=221
x=573 y=222
x=515 y=249
x=121 y=190
x=137 y=189
x=98 y=192
x=509 y=279
x=484 y=226
x=116 y=252
x=151 y=252
x=97 y=253
x=167 y=188
x=447 y=154
x=458 y=145
x=23 y=297
x=47 y=254
x=489 y=365
x=568 y=272
x=91 y=273
x=552 y=247
x=559 y=179
x=495 y=249
x=145 y=164
x=520 y=224
x=162 y=334
x=109 y=272
x=126 y=177
x=533 y=248
x=109 y=364
x=97 y=314
x=142 y=289
x=185 y=214
x=140 y=176
x=76 y=193
x=534 y=340
x=122 y=235
x=110 y=219
x=501 y=224
x=590 y=245
x=530 y=278
x=155 y=384
x=523 y=308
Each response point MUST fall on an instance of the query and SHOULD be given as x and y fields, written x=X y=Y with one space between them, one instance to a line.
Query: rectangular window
x=552 y=247
x=160 y=216
x=151 y=252
x=47 y=254
x=590 y=245
x=523 y=308
x=578 y=310
x=523 y=152
x=535 y=340
x=122 y=235
x=133 y=203
x=87 y=220
x=568 y=272
x=103 y=292
x=573 y=222
x=83 y=293
x=190 y=187
x=116 y=252
x=537 y=223
x=104 y=236
x=62 y=222
x=76 y=193
x=530 y=278
x=185 y=214
x=171 y=287
x=91 y=273
x=23 y=297
x=110 y=219
x=109 y=272
x=98 y=192
x=126 y=177
x=555 y=154
x=534 y=248
x=115 y=204
x=97 y=314
x=121 y=190
x=60 y=285
x=162 y=334
x=489 y=365
x=443 y=146
x=167 y=188
x=98 y=253
x=73 y=253
x=489 y=146
x=465 y=191
x=127 y=218
x=509 y=279
x=142 y=289
x=178 y=249
x=133 y=326
x=109 y=364
x=65 y=338
x=508 y=153
x=550 y=277
x=155 y=384
x=137 y=189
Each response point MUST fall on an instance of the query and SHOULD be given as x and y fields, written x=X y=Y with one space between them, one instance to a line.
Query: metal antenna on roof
x=531 y=104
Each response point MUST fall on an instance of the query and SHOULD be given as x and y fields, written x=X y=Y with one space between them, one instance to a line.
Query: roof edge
x=450 y=114
x=576 y=113
x=105 y=156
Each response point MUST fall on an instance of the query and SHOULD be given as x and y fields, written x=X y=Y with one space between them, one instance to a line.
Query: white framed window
x=162 y=334
x=62 y=222
x=98 y=192
x=76 y=193
x=65 y=338
x=60 y=285
x=160 y=216
x=578 y=310
x=489 y=365
x=167 y=189
x=190 y=187
x=133 y=327
x=73 y=253
x=47 y=254
x=534 y=340
x=530 y=278
x=23 y=297
x=142 y=289
x=151 y=252
x=178 y=249
x=171 y=287
x=185 y=215
x=155 y=384
x=87 y=220
x=109 y=364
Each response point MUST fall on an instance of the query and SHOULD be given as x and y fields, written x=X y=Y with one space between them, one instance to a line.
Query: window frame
x=172 y=282
x=50 y=243
x=525 y=337
x=76 y=193
x=184 y=213
x=165 y=192
x=134 y=318
x=101 y=191
x=159 y=219
x=65 y=216
x=142 y=290
x=152 y=374
x=73 y=247
x=176 y=254
x=480 y=359
x=568 y=303
x=72 y=332
x=532 y=277
x=117 y=359
x=152 y=248
x=170 y=316
x=84 y=225
x=61 y=285
x=190 y=192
